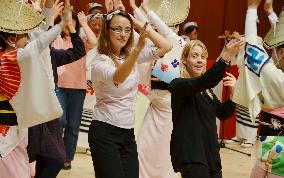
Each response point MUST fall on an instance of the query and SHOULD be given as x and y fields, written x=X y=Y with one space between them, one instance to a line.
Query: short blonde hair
x=186 y=52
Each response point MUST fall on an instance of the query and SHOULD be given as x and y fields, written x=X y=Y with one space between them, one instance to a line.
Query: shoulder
x=102 y=59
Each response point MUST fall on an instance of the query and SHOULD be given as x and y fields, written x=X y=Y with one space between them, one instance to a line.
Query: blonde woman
x=194 y=140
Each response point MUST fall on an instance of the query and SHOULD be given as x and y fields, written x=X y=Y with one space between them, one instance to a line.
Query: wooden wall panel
x=213 y=18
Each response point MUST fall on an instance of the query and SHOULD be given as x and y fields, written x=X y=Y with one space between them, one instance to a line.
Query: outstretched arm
x=251 y=21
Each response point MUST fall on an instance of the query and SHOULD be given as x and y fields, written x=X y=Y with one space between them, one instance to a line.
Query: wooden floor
x=235 y=165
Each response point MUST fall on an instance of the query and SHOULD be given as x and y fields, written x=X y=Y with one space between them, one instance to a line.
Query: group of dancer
x=46 y=63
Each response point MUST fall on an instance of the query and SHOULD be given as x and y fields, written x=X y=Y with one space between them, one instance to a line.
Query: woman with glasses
x=115 y=76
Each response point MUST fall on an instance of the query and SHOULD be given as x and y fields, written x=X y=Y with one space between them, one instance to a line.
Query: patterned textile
x=9 y=84
x=271 y=157
x=10 y=76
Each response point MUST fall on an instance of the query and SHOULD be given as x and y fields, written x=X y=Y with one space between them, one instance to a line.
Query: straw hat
x=17 y=17
x=172 y=12
x=273 y=41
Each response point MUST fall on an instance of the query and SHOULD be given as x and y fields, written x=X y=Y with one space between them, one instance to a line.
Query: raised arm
x=91 y=37
x=268 y=8
x=251 y=21
x=64 y=57
x=163 y=45
x=189 y=86
x=160 y=25
x=124 y=70
x=137 y=12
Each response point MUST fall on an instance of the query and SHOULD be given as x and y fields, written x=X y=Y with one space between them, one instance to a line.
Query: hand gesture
x=118 y=5
x=67 y=13
x=142 y=36
x=42 y=3
x=56 y=9
x=132 y=4
x=232 y=49
x=145 y=5
x=109 y=5
x=253 y=4
x=268 y=6
x=230 y=81
x=136 y=23
x=36 y=6
x=82 y=19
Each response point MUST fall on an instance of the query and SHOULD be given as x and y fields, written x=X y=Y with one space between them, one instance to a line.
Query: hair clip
x=110 y=15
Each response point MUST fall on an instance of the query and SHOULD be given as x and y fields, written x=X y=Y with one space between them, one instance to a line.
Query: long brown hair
x=186 y=52
x=104 y=43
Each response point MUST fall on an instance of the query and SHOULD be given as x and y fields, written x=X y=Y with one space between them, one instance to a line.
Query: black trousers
x=199 y=171
x=113 y=150
x=47 y=167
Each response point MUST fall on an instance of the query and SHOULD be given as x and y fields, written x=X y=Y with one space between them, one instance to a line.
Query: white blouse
x=116 y=103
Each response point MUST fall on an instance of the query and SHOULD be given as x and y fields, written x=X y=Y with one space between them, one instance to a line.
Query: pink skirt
x=153 y=141
x=16 y=163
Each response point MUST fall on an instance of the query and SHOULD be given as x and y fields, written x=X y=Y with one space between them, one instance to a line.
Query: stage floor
x=235 y=165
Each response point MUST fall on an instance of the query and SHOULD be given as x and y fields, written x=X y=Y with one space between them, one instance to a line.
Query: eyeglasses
x=118 y=30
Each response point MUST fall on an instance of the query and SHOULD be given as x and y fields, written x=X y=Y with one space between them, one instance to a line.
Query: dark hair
x=279 y=47
x=74 y=17
x=104 y=44
x=3 y=40
x=190 y=29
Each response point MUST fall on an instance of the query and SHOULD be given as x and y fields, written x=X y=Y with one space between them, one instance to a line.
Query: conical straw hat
x=272 y=40
x=172 y=12
x=17 y=17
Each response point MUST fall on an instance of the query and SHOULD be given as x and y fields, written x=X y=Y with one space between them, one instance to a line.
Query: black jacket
x=194 y=137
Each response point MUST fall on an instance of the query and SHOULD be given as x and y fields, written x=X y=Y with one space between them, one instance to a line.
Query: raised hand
x=55 y=11
x=268 y=6
x=118 y=5
x=67 y=13
x=42 y=4
x=109 y=5
x=232 y=49
x=253 y=4
x=82 y=19
x=36 y=5
x=136 y=23
x=145 y=5
x=142 y=36
x=132 y=4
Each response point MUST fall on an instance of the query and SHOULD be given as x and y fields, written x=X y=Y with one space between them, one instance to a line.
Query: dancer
x=23 y=59
x=115 y=75
x=156 y=128
x=267 y=91
x=45 y=140
x=194 y=140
